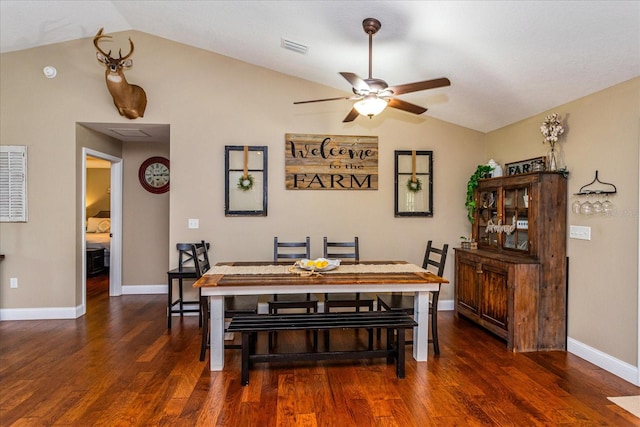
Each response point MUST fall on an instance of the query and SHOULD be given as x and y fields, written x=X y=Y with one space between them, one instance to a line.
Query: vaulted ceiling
x=507 y=60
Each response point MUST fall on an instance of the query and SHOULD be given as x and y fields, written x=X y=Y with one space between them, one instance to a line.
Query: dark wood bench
x=250 y=325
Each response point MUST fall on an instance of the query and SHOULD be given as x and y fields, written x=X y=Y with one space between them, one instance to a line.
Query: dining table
x=260 y=278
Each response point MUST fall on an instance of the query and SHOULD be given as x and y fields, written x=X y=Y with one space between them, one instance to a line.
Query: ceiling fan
x=374 y=95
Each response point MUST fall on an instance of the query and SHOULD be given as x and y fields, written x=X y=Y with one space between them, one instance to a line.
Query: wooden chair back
x=342 y=250
x=435 y=257
x=200 y=257
x=291 y=250
x=185 y=253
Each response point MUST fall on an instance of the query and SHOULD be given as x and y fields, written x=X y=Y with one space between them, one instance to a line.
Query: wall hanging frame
x=245 y=180
x=413 y=184
x=330 y=162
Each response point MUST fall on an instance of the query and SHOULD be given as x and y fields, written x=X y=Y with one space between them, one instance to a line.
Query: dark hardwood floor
x=119 y=366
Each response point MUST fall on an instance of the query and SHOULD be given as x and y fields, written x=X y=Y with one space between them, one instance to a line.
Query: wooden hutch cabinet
x=515 y=283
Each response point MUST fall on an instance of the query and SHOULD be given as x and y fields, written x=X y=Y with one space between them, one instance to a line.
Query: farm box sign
x=331 y=162
x=526 y=166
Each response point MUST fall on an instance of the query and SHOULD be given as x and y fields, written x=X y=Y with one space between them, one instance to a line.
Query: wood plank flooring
x=119 y=366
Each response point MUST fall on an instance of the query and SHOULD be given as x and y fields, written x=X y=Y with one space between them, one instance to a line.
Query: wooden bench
x=250 y=325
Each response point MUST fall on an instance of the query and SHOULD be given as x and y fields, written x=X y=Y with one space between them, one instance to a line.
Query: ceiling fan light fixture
x=370 y=106
x=375 y=94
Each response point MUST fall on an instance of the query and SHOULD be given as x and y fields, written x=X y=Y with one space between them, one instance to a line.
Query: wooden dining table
x=259 y=278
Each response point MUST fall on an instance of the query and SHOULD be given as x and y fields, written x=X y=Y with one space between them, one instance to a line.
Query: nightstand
x=95 y=261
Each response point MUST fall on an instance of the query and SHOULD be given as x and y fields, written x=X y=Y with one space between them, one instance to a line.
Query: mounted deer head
x=130 y=100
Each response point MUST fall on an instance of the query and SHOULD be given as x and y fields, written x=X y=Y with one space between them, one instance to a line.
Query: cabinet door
x=488 y=215
x=516 y=219
x=494 y=298
x=468 y=287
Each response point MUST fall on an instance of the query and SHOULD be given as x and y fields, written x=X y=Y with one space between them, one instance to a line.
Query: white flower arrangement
x=551 y=129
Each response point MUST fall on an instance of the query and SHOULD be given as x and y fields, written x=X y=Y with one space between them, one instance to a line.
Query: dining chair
x=349 y=251
x=185 y=270
x=291 y=251
x=433 y=257
x=345 y=251
x=233 y=305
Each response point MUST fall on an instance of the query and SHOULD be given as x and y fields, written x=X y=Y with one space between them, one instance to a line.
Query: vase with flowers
x=552 y=130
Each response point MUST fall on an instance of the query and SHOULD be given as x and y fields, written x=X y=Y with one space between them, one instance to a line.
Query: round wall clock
x=154 y=175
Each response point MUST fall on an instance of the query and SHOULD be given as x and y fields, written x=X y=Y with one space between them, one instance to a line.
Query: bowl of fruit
x=319 y=264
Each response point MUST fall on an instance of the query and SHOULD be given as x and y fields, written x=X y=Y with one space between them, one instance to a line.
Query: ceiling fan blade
x=351 y=116
x=406 y=106
x=322 y=100
x=356 y=82
x=417 y=86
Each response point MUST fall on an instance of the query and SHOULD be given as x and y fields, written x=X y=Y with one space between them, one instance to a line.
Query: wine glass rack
x=585 y=190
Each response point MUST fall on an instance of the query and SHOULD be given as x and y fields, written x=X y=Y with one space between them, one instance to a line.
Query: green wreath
x=414 y=186
x=245 y=184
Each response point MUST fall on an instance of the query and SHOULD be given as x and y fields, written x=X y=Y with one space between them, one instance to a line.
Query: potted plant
x=468 y=243
x=470 y=204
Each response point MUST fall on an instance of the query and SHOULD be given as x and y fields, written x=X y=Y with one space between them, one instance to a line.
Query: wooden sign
x=525 y=166
x=331 y=162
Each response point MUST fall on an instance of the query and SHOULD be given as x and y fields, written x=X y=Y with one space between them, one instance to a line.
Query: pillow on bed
x=92 y=224
x=104 y=226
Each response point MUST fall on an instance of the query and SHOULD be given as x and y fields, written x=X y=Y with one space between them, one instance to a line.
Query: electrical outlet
x=579 y=232
x=194 y=223
x=13 y=282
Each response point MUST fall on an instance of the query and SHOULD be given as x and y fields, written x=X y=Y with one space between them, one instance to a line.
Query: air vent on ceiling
x=293 y=46
x=130 y=133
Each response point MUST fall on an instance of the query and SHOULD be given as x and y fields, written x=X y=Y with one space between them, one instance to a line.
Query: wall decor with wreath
x=413 y=183
x=245 y=180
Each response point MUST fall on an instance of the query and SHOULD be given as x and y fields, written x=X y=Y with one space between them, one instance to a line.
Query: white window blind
x=13 y=183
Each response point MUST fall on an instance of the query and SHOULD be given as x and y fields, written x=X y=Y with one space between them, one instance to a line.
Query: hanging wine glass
x=575 y=206
x=586 y=208
x=607 y=206
x=597 y=206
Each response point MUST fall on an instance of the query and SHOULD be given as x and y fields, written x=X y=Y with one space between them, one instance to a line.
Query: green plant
x=414 y=186
x=245 y=183
x=470 y=204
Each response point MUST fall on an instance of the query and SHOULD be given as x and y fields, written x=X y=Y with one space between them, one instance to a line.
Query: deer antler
x=130 y=52
x=97 y=38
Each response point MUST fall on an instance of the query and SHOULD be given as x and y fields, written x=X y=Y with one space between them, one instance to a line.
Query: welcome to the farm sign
x=331 y=162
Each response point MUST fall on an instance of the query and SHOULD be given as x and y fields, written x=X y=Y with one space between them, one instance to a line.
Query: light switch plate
x=194 y=223
x=579 y=232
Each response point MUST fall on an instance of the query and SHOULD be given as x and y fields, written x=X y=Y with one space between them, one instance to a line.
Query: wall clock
x=154 y=175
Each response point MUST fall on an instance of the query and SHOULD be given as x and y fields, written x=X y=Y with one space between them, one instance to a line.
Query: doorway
x=113 y=245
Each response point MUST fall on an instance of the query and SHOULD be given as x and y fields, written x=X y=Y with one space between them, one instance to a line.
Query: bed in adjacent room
x=98 y=233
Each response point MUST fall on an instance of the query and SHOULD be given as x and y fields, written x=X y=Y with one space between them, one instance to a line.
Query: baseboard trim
x=602 y=360
x=445 y=305
x=46 y=313
x=144 y=289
